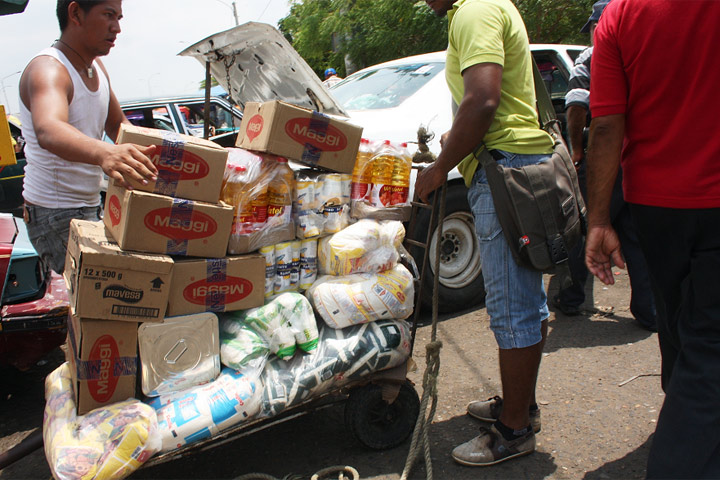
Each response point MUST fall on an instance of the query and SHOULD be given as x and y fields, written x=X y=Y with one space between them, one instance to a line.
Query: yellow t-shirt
x=482 y=31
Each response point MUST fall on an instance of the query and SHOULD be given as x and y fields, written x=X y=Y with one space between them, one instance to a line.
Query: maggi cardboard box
x=299 y=134
x=105 y=282
x=217 y=284
x=188 y=167
x=146 y=222
x=103 y=361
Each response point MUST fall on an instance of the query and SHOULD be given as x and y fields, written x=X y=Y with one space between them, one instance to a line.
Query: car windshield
x=384 y=87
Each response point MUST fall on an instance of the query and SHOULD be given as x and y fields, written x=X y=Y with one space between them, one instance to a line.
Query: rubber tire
x=377 y=424
x=449 y=299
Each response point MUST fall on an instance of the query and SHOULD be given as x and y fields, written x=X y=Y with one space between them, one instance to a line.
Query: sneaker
x=489 y=411
x=567 y=310
x=490 y=447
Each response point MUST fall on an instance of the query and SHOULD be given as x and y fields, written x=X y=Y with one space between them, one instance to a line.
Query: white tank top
x=51 y=181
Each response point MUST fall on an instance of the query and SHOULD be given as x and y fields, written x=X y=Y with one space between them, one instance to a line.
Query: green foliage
x=360 y=33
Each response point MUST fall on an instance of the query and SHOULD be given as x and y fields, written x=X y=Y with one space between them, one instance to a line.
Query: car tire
x=461 y=281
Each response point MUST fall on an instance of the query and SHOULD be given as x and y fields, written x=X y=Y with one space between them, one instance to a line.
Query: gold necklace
x=89 y=68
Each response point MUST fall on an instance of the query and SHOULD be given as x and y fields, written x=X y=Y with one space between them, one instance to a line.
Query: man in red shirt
x=654 y=100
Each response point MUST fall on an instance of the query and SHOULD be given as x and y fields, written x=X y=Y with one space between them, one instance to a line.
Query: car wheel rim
x=460 y=261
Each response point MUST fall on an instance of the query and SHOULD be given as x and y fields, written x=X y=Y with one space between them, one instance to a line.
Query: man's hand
x=428 y=180
x=602 y=250
x=127 y=161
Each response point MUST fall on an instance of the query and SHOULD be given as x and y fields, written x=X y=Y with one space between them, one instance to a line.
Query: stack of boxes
x=163 y=247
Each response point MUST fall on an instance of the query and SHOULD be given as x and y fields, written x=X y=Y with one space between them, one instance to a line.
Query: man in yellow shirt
x=489 y=73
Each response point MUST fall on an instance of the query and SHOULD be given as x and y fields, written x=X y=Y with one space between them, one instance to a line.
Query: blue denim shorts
x=516 y=301
x=49 y=229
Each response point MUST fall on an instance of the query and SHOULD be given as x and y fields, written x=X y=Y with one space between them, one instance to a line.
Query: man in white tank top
x=66 y=104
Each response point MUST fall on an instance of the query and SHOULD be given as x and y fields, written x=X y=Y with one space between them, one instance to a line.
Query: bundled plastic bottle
x=280 y=194
x=361 y=182
x=382 y=170
x=234 y=193
x=400 y=183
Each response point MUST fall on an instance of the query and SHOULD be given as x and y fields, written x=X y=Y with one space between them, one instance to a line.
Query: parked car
x=186 y=115
x=394 y=99
x=12 y=176
x=34 y=303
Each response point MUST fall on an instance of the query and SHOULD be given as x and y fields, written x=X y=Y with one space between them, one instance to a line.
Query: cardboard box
x=240 y=244
x=105 y=282
x=299 y=134
x=217 y=285
x=147 y=222
x=188 y=167
x=103 y=361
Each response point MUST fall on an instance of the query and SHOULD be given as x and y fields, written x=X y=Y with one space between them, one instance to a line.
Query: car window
x=553 y=73
x=574 y=53
x=222 y=120
x=384 y=87
x=158 y=117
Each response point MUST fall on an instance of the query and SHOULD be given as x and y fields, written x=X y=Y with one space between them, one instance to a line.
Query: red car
x=34 y=304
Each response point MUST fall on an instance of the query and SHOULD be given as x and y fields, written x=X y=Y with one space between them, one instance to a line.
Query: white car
x=254 y=62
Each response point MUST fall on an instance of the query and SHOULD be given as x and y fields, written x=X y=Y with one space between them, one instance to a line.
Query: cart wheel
x=377 y=424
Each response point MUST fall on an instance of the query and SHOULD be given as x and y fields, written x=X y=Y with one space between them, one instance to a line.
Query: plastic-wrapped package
x=366 y=246
x=363 y=297
x=107 y=443
x=241 y=346
x=202 y=412
x=343 y=355
x=320 y=203
x=286 y=322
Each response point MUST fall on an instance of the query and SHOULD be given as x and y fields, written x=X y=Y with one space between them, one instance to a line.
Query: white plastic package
x=366 y=246
x=343 y=355
x=105 y=444
x=204 y=411
x=363 y=297
x=286 y=322
x=241 y=346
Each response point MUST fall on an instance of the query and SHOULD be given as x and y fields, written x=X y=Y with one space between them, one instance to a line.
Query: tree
x=360 y=33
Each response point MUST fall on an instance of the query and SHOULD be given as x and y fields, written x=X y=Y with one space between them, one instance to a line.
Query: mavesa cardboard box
x=104 y=282
x=188 y=167
x=299 y=134
x=103 y=361
x=217 y=285
x=146 y=222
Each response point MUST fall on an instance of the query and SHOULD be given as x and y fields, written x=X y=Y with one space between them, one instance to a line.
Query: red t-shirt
x=656 y=61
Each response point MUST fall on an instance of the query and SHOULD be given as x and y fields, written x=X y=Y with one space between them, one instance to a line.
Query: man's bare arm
x=602 y=248
x=473 y=119
x=576 y=121
x=46 y=89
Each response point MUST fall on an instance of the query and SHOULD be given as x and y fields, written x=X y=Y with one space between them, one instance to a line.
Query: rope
x=420 y=438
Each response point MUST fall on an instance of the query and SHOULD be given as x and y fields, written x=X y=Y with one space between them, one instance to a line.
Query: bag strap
x=558 y=250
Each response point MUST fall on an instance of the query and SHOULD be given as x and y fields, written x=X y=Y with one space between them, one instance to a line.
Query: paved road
x=595 y=426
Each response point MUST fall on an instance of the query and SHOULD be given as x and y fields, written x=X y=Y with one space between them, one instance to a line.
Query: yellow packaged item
x=107 y=443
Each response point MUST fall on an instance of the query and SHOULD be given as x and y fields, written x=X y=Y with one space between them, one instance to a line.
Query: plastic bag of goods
x=107 y=443
x=321 y=202
x=179 y=353
x=366 y=246
x=286 y=322
x=204 y=411
x=343 y=355
x=363 y=297
x=241 y=346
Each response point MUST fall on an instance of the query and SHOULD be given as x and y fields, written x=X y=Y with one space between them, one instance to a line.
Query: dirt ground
x=599 y=392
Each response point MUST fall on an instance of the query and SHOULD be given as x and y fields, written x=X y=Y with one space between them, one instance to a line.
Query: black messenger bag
x=540 y=208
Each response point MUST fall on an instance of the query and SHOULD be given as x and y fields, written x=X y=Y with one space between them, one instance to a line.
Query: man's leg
x=642 y=300
x=682 y=248
x=518 y=372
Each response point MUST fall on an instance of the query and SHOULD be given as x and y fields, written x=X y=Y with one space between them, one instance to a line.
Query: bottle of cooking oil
x=280 y=192
x=400 y=182
x=233 y=193
x=361 y=182
x=382 y=170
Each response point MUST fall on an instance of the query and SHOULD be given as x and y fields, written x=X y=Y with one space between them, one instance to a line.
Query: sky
x=144 y=62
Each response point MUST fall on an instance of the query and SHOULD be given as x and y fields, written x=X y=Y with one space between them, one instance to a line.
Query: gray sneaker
x=489 y=411
x=490 y=447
